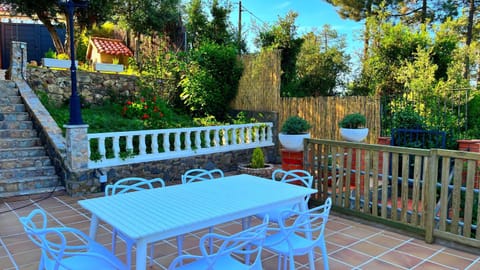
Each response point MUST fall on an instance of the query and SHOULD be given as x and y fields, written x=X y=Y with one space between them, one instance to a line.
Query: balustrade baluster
x=155 y=143
x=142 y=145
x=177 y=141
x=101 y=147
x=166 y=141
x=116 y=146
x=188 y=141
x=198 y=140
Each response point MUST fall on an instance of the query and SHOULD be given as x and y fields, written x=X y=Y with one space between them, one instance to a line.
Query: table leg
x=141 y=254
x=93 y=227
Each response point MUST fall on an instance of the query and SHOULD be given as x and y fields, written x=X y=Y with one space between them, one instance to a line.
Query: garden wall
x=93 y=87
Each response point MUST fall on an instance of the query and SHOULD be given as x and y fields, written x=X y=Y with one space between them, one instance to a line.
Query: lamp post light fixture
x=75 y=113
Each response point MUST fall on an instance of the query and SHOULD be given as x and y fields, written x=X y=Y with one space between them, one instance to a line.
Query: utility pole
x=239 y=38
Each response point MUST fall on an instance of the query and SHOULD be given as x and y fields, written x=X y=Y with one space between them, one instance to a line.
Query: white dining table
x=152 y=215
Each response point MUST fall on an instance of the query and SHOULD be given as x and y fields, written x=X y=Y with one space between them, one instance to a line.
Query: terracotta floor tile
x=379 y=264
x=341 y=239
x=385 y=240
x=350 y=257
x=432 y=266
x=369 y=248
x=450 y=260
x=421 y=252
x=400 y=259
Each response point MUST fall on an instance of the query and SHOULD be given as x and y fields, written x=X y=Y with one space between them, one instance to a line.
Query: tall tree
x=283 y=36
x=213 y=27
x=359 y=10
x=148 y=16
x=47 y=12
x=321 y=63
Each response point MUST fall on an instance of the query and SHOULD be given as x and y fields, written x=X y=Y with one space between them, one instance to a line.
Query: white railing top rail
x=127 y=147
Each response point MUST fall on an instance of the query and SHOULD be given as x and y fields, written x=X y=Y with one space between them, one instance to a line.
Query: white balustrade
x=119 y=148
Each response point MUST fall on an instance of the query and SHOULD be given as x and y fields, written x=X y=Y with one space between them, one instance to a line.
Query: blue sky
x=312 y=14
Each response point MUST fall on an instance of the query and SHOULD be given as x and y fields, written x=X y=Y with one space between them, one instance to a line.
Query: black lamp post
x=75 y=113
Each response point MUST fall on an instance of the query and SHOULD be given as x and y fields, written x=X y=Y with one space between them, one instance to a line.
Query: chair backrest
x=130 y=184
x=299 y=177
x=244 y=245
x=196 y=175
x=311 y=222
x=55 y=246
x=34 y=222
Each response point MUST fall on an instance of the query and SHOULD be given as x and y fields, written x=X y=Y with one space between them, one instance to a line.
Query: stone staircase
x=25 y=168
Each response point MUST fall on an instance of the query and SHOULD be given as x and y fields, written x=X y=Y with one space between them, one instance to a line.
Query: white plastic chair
x=195 y=175
x=66 y=248
x=300 y=177
x=300 y=237
x=245 y=245
x=125 y=185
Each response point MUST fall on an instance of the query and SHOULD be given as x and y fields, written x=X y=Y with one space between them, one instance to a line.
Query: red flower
x=155 y=109
x=160 y=114
x=129 y=102
x=145 y=116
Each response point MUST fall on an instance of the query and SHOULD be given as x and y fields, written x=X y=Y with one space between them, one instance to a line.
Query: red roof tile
x=111 y=46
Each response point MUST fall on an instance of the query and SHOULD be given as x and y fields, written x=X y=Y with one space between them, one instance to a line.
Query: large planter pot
x=292 y=142
x=262 y=172
x=354 y=134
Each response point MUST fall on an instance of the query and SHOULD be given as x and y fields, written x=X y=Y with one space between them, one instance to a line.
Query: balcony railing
x=120 y=148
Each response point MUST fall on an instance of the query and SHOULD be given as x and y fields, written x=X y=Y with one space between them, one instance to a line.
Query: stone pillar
x=77 y=147
x=18 y=61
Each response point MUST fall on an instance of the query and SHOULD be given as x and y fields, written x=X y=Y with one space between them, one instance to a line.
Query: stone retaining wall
x=93 y=87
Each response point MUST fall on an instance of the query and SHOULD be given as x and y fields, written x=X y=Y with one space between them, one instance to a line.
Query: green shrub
x=295 y=125
x=354 y=120
x=408 y=118
x=211 y=80
x=50 y=53
x=258 y=159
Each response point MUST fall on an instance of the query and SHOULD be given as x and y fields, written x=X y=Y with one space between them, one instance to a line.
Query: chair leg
x=311 y=259
x=179 y=244
x=291 y=261
x=210 y=240
x=152 y=246
x=114 y=240
x=323 y=248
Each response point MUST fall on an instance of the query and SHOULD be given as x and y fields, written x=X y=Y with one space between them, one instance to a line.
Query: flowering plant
x=148 y=108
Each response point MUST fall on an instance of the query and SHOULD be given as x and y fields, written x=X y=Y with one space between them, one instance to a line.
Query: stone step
x=19 y=143
x=11 y=100
x=14 y=116
x=37 y=151
x=30 y=185
x=8 y=89
x=15 y=163
x=18 y=133
x=27 y=172
x=16 y=125
x=36 y=194
x=5 y=108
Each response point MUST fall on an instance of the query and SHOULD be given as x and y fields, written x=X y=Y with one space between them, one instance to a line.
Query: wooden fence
x=432 y=192
x=259 y=90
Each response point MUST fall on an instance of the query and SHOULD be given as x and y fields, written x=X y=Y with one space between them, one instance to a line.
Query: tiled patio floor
x=351 y=245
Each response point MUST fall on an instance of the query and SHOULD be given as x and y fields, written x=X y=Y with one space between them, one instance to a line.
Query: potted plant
x=352 y=127
x=293 y=131
x=257 y=165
